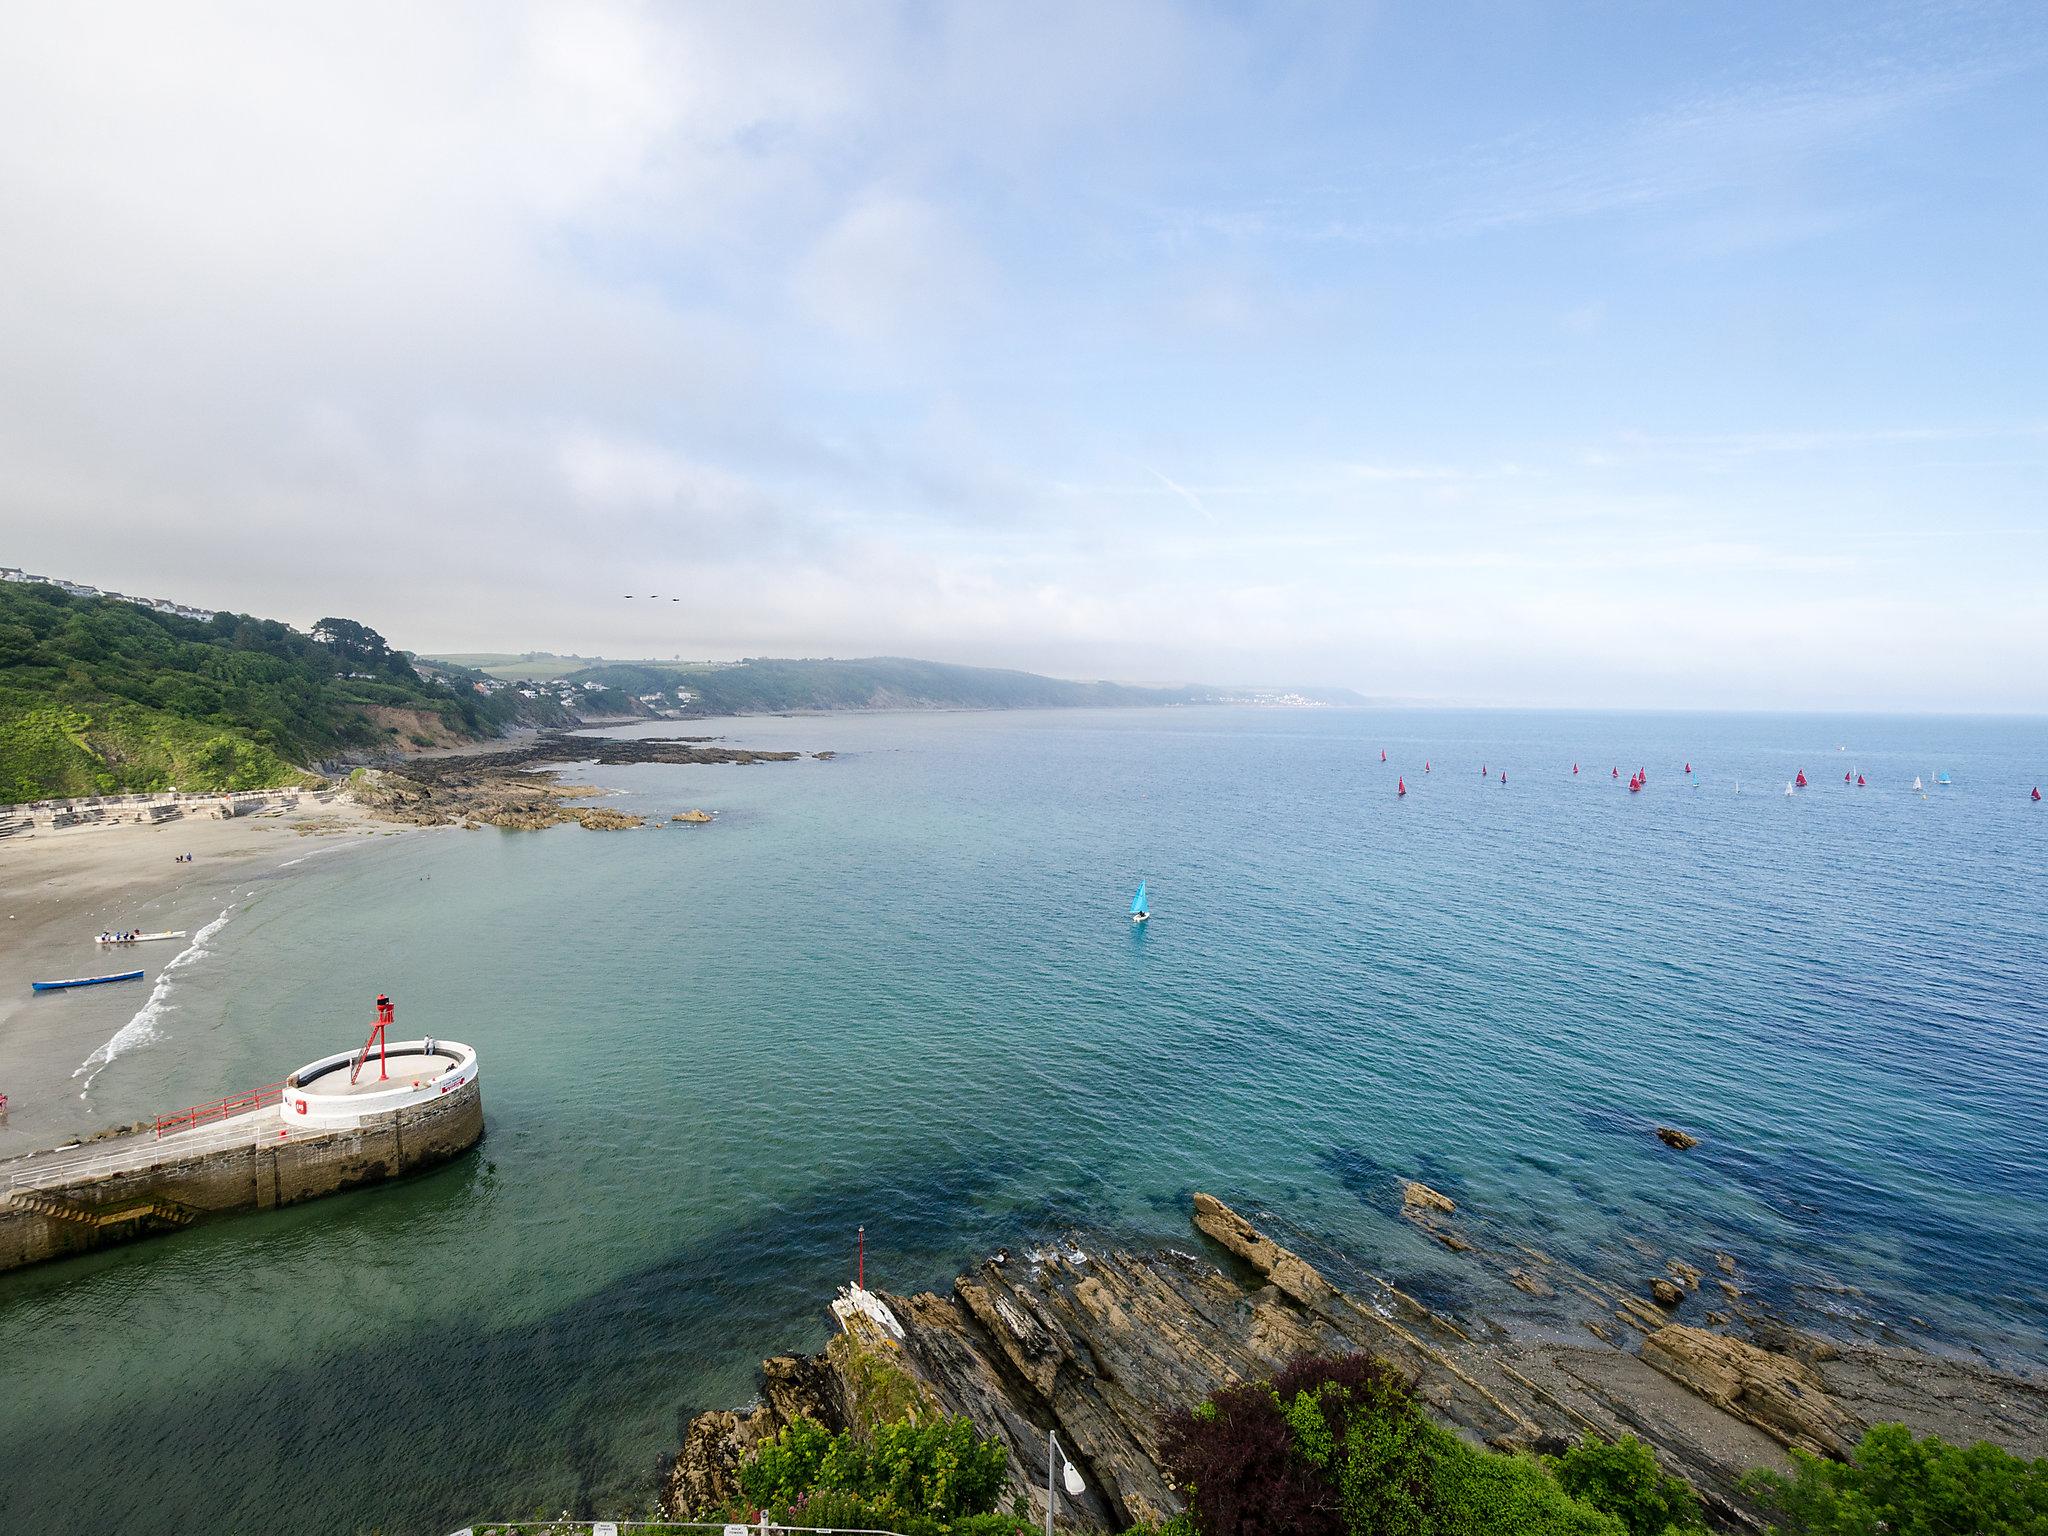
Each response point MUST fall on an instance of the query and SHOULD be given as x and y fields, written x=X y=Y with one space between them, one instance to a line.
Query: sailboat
x=1801 y=780
x=1941 y=778
x=1788 y=789
x=1916 y=782
x=1400 y=787
x=1139 y=910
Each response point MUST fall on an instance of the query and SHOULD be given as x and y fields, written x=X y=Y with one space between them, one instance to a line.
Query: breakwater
x=320 y=1136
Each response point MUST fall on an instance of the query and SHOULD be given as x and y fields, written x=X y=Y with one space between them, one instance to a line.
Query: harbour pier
x=344 y=1121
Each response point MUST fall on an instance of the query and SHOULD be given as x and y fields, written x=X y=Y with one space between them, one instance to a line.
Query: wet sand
x=59 y=890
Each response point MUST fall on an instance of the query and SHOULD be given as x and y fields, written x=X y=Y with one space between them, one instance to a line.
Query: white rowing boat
x=140 y=938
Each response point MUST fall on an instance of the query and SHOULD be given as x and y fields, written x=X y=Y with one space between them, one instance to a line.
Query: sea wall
x=60 y=1220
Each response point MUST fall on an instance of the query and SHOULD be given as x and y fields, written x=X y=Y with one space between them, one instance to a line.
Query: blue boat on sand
x=85 y=981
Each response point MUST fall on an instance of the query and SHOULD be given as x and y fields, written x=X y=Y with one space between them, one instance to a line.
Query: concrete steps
x=169 y=1212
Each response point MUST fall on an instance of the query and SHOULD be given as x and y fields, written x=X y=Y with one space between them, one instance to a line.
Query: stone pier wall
x=97 y=1213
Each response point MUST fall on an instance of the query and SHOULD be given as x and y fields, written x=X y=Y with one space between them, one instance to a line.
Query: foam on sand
x=141 y=1030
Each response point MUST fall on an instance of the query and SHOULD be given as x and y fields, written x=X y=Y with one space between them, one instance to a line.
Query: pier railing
x=219 y=1109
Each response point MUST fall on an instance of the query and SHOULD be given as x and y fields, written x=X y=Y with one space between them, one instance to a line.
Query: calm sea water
x=899 y=989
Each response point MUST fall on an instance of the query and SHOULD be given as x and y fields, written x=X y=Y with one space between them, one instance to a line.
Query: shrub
x=1623 y=1479
x=1339 y=1447
x=934 y=1476
x=1484 y=1493
x=1906 y=1487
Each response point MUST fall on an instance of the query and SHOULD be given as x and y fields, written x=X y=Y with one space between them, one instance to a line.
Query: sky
x=1681 y=355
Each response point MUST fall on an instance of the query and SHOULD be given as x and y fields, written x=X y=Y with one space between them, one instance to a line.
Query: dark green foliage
x=1483 y=1493
x=1338 y=1447
x=1899 y=1486
x=100 y=696
x=921 y=1479
x=1623 y=1479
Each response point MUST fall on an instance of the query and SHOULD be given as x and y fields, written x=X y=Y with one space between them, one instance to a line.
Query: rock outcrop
x=497 y=789
x=1782 y=1396
x=1676 y=1139
x=1099 y=1344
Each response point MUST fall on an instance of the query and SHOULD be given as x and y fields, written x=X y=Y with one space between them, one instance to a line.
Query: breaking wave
x=141 y=1030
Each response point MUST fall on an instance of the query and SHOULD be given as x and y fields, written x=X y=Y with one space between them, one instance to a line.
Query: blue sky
x=1632 y=355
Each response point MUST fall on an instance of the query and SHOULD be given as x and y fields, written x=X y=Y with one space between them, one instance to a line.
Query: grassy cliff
x=99 y=696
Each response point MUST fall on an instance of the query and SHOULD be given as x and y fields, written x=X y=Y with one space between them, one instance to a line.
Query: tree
x=1896 y=1485
x=1623 y=1479
x=362 y=646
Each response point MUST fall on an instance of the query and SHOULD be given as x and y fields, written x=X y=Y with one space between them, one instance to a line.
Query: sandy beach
x=59 y=890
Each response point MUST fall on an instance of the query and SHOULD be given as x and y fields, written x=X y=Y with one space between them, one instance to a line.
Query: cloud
x=855 y=327
x=892 y=270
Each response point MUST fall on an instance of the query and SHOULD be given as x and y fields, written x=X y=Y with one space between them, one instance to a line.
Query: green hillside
x=763 y=684
x=99 y=696
x=767 y=685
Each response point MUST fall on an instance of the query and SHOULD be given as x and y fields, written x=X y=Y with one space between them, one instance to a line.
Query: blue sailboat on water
x=1139 y=910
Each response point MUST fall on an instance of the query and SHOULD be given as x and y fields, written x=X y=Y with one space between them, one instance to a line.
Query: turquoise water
x=899 y=989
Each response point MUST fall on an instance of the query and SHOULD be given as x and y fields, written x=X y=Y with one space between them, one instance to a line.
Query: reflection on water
x=900 y=989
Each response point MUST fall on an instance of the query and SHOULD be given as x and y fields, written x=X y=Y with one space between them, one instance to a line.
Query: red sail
x=1401 y=787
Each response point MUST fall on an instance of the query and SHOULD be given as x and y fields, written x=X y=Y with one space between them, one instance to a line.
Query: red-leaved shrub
x=1331 y=1446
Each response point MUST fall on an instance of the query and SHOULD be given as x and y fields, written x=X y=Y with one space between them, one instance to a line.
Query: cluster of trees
x=1896 y=1485
x=1338 y=1446
x=98 y=695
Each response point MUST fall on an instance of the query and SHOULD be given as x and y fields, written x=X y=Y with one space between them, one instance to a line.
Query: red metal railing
x=219 y=1109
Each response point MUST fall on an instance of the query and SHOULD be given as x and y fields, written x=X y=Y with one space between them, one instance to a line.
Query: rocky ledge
x=497 y=788
x=1098 y=1344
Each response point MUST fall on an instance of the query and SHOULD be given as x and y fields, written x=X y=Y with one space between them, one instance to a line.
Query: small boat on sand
x=85 y=981
x=138 y=938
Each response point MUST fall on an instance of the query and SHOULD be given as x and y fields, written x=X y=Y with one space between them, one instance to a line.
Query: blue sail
x=1138 y=901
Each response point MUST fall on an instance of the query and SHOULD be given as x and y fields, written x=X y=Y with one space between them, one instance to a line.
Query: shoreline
x=59 y=889
x=1098 y=1341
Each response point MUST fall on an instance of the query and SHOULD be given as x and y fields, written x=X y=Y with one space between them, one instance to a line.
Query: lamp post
x=1055 y=1459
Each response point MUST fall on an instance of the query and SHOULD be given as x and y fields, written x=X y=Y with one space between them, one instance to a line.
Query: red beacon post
x=386 y=1012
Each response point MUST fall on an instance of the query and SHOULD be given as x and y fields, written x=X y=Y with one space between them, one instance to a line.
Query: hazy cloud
x=1631 y=373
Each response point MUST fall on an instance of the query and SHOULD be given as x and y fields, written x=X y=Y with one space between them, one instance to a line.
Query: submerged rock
x=1678 y=1139
x=1416 y=1195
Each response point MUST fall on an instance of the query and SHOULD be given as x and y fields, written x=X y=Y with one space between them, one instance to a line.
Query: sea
x=893 y=998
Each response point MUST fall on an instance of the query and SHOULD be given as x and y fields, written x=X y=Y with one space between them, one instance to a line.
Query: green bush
x=937 y=1476
x=1484 y=1493
x=1339 y=1447
x=1624 y=1480
x=1899 y=1486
